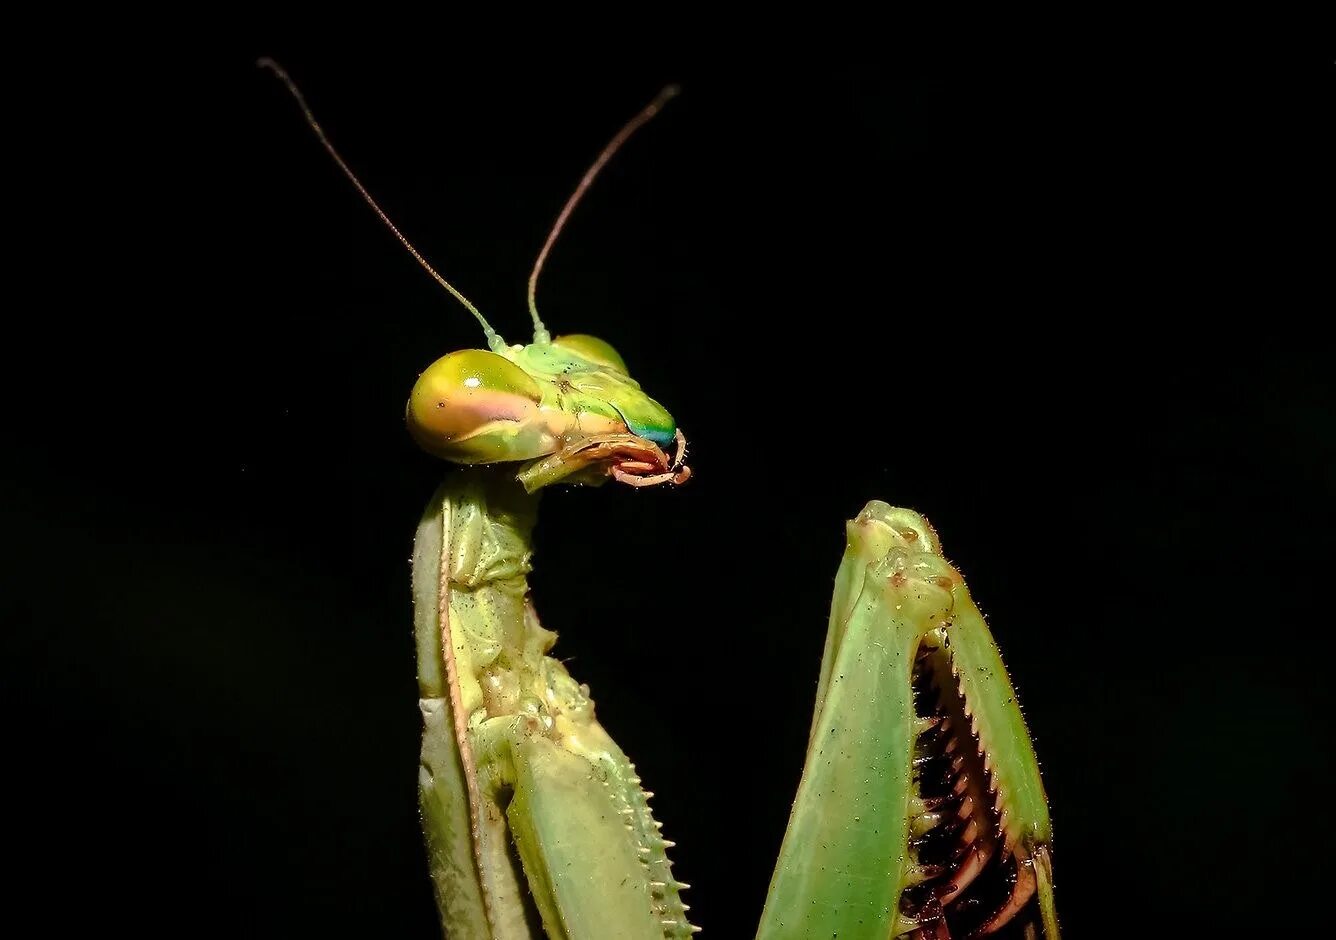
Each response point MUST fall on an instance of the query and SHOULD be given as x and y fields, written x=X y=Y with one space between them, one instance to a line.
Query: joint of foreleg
x=902 y=527
x=918 y=585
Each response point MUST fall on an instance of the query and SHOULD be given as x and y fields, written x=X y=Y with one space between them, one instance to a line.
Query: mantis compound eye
x=474 y=406
x=594 y=349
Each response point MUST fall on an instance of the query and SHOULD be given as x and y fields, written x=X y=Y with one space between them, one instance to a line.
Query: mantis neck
x=498 y=644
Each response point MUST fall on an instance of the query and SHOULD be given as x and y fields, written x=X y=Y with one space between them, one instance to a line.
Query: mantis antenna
x=540 y=334
x=494 y=341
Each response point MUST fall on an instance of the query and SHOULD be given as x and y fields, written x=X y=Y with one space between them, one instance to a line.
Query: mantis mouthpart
x=920 y=812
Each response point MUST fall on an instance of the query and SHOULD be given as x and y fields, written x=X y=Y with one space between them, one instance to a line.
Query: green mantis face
x=566 y=407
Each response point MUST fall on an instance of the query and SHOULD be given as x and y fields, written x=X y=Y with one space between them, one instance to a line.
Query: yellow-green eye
x=474 y=406
x=593 y=349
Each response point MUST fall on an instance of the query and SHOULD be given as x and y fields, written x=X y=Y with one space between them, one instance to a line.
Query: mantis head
x=565 y=409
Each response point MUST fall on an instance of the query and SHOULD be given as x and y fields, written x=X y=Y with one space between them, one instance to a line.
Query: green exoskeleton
x=920 y=812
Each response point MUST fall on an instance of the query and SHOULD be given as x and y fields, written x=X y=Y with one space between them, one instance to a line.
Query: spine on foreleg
x=651 y=846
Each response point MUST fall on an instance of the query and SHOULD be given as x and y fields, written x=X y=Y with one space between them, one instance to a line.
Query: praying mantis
x=920 y=812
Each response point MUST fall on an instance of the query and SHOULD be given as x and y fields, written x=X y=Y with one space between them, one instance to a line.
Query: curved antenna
x=494 y=341
x=540 y=334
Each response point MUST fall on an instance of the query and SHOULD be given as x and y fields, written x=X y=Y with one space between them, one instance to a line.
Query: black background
x=1072 y=311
